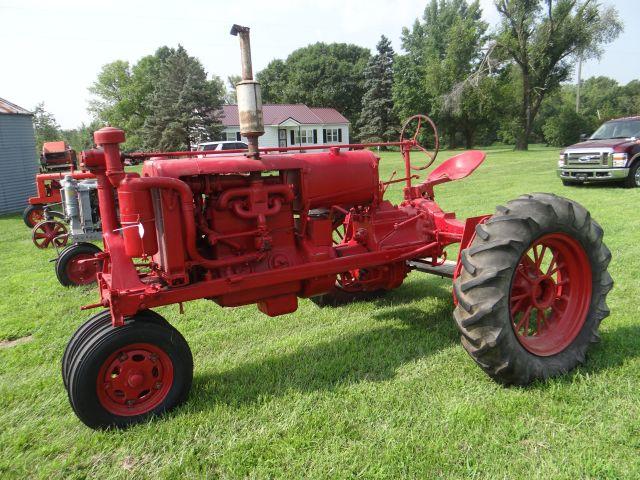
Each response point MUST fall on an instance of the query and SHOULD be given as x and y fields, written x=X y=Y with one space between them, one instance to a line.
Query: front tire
x=569 y=183
x=120 y=376
x=633 y=179
x=71 y=272
x=33 y=215
x=532 y=289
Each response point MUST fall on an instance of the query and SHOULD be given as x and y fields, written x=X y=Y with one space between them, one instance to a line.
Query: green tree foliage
x=185 y=106
x=319 y=75
x=377 y=119
x=564 y=128
x=602 y=99
x=230 y=94
x=543 y=37
x=81 y=138
x=442 y=51
x=45 y=126
x=128 y=97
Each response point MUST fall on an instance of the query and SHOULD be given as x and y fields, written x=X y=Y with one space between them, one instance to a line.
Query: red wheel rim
x=81 y=273
x=35 y=215
x=49 y=233
x=550 y=294
x=135 y=379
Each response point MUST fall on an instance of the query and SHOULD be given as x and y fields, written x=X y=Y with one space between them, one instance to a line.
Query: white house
x=287 y=125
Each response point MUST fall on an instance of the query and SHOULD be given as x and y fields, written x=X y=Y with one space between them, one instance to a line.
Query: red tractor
x=271 y=225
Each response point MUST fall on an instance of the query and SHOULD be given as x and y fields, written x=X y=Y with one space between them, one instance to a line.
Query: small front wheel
x=33 y=215
x=49 y=233
x=532 y=289
x=123 y=375
x=73 y=267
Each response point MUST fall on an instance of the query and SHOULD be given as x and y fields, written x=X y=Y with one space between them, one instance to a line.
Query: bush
x=564 y=128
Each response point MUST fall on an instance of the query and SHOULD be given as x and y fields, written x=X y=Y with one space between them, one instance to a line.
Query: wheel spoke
x=415 y=135
x=552 y=265
x=540 y=321
x=524 y=320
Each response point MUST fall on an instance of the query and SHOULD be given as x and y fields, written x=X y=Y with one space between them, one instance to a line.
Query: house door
x=282 y=137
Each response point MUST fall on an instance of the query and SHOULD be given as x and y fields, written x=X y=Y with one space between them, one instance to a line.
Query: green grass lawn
x=373 y=389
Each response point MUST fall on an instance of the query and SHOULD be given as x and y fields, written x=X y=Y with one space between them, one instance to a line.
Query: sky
x=51 y=51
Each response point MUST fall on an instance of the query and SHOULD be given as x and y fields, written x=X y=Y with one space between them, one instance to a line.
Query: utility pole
x=579 y=82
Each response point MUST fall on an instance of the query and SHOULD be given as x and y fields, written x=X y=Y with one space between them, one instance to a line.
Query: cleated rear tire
x=532 y=289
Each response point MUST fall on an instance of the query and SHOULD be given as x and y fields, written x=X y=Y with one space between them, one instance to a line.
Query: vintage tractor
x=270 y=225
x=57 y=156
x=81 y=214
x=56 y=161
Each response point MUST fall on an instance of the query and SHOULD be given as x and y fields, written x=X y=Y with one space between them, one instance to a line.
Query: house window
x=232 y=136
x=333 y=135
x=304 y=136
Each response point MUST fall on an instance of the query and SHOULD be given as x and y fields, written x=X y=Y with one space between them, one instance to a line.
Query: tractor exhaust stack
x=248 y=95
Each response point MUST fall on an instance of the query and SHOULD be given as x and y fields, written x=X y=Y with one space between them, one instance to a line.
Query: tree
x=442 y=52
x=319 y=75
x=45 y=126
x=377 y=119
x=123 y=94
x=185 y=106
x=542 y=37
x=81 y=138
x=230 y=94
x=273 y=81
x=564 y=128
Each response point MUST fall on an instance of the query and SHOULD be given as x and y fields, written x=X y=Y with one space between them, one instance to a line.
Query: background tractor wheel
x=120 y=376
x=49 y=233
x=70 y=271
x=532 y=290
x=33 y=215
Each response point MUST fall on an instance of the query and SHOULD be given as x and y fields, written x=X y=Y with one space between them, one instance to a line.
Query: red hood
x=618 y=144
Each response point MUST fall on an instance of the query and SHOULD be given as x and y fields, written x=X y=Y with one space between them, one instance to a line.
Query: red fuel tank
x=344 y=178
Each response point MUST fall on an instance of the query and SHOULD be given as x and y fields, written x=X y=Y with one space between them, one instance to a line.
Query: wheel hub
x=550 y=294
x=135 y=379
x=543 y=292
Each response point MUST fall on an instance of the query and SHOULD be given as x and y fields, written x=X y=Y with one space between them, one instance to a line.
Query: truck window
x=617 y=129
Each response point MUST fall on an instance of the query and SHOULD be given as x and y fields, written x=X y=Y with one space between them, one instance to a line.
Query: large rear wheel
x=120 y=376
x=532 y=289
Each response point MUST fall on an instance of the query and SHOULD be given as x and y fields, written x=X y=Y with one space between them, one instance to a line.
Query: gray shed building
x=18 y=158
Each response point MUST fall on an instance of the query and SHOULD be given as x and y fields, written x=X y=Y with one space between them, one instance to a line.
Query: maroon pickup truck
x=611 y=153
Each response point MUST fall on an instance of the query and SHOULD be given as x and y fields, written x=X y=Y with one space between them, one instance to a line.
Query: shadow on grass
x=405 y=334
x=615 y=348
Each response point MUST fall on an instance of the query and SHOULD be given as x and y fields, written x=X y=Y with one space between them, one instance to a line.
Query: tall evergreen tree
x=185 y=106
x=377 y=119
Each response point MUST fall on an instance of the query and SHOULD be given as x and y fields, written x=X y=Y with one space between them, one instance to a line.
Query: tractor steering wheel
x=414 y=142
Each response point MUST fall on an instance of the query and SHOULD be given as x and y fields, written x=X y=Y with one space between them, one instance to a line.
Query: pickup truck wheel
x=633 y=180
x=532 y=290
